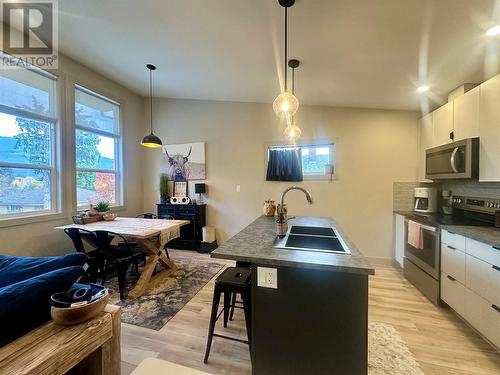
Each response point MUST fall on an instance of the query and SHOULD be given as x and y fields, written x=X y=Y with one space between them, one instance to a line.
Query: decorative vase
x=269 y=208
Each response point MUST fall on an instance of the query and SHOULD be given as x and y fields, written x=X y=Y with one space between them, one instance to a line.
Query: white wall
x=41 y=238
x=373 y=149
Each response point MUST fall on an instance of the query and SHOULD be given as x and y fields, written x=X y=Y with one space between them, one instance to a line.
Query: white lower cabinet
x=453 y=293
x=481 y=314
x=399 y=238
x=453 y=240
x=483 y=251
x=483 y=278
x=453 y=262
x=470 y=282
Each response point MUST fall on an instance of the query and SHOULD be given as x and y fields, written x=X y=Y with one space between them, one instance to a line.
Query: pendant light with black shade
x=286 y=104
x=151 y=140
x=292 y=131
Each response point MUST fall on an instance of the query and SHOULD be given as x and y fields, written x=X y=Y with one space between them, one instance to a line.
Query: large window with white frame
x=97 y=144
x=28 y=143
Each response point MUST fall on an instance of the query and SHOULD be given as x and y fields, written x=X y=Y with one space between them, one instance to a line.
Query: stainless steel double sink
x=309 y=238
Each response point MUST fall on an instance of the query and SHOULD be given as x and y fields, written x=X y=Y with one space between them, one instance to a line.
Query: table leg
x=155 y=257
x=105 y=360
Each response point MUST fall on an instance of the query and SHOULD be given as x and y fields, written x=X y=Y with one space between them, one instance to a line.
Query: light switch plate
x=267 y=277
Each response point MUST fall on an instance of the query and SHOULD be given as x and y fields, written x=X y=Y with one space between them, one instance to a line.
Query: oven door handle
x=424 y=227
x=427 y=228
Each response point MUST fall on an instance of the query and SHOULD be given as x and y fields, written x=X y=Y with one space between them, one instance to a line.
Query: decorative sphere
x=292 y=132
x=285 y=105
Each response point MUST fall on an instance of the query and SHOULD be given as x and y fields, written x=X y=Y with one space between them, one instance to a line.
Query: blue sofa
x=26 y=284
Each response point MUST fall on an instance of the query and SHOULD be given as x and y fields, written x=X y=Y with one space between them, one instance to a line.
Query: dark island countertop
x=254 y=244
x=486 y=234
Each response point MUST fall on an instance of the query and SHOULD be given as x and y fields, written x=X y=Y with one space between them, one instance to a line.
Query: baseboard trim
x=378 y=261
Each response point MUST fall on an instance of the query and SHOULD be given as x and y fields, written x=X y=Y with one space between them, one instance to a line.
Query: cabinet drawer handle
x=451 y=247
x=451 y=278
x=496 y=268
x=495 y=307
x=496 y=247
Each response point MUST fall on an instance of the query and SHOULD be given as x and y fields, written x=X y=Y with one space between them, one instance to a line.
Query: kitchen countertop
x=486 y=234
x=254 y=244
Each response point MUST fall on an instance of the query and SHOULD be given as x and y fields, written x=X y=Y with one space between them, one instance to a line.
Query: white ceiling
x=358 y=53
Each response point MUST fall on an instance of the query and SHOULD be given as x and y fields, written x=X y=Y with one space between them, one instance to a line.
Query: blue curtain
x=284 y=164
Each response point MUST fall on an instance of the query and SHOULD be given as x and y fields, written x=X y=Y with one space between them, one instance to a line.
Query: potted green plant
x=164 y=188
x=102 y=207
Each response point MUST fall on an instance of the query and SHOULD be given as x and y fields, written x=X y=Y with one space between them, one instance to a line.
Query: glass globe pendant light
x=286 y=104
x=151 y=140
x=292 y=131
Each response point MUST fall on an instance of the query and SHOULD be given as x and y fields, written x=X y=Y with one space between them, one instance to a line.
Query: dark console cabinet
x=190 y=234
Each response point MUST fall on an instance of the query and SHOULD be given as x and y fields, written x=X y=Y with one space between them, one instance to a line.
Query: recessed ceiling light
x=422 y=88
x=493 y=31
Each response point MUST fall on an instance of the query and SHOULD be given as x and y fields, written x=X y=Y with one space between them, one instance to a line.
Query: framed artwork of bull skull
x=185 y=161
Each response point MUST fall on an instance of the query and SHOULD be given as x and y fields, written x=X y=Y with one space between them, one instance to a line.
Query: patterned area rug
x=167 y=295
x=388 y=353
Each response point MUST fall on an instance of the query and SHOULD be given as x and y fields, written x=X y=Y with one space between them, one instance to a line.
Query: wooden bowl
x=109 y=217
x=78 y=314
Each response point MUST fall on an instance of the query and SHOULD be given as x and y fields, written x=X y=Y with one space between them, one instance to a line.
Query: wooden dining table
x=150 y=234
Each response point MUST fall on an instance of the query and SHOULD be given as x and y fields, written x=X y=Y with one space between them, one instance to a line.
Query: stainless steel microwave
x=457 y=160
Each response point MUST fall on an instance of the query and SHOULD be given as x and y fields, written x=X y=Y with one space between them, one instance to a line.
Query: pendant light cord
x=286 y=46
x=151 y=98
x=293 y=81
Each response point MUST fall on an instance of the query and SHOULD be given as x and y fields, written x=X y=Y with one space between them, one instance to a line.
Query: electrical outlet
x=238 y=188
x=267 y=277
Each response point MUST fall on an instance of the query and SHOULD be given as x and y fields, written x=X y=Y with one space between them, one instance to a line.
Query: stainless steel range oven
x=422 y=265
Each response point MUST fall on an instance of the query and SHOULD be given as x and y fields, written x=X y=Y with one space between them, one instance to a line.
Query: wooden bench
x=92 y=347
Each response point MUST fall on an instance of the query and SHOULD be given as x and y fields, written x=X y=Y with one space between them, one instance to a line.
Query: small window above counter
x=308 y=161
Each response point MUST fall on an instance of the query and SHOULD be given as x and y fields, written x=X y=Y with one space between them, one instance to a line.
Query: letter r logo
x=27 y=28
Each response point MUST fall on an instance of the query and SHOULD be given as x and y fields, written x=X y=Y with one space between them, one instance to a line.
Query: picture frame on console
x=180 y=189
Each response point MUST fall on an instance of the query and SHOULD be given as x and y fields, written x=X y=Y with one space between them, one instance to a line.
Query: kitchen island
x=309 y=309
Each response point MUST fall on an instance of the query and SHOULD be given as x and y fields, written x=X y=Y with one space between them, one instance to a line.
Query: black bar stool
x=232 y=281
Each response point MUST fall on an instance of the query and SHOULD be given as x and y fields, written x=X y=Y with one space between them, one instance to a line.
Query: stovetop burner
x=460 y=217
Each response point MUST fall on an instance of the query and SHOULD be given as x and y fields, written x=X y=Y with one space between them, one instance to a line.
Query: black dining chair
x=117 y=257
x=147 y=215
x=81 y=236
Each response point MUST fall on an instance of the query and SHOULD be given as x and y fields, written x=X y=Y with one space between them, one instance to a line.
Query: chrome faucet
x=282 y=222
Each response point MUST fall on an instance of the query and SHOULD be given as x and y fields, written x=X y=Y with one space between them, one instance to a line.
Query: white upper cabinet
x=426 y=140
x=466 y=115
x=443 y=124
x=473 y=114
x=489 y=130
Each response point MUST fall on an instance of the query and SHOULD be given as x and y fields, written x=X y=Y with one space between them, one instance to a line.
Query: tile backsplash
x=402 y=195
x=473 y=188
x=403 y=191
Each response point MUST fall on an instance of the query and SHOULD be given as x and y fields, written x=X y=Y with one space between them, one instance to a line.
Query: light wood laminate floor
x=440 y=341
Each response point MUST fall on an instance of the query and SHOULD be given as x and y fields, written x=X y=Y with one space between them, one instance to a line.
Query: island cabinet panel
x=314 y=322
